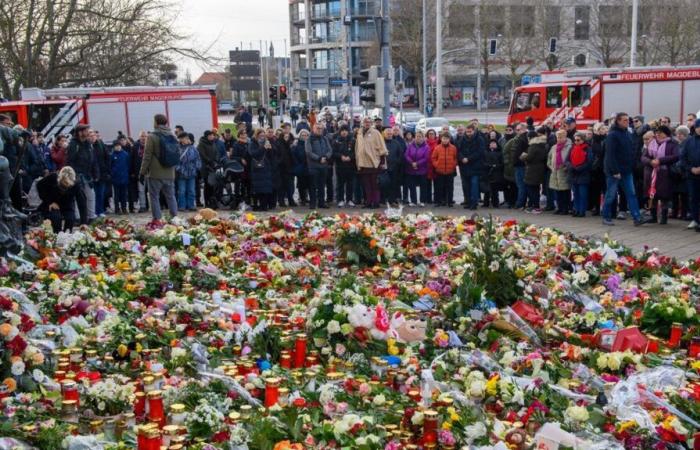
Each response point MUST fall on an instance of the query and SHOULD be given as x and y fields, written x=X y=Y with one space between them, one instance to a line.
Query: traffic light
x=283 y=92
x=368 y=85
x=273 y=96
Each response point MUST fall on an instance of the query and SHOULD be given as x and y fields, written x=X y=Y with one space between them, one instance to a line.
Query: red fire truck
x=593 y=95
x=110 y=110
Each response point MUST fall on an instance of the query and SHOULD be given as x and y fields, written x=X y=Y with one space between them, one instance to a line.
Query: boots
x=664 y=216
x=654 y=215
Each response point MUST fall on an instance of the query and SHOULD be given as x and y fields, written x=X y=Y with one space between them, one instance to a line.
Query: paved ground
x=672 y=239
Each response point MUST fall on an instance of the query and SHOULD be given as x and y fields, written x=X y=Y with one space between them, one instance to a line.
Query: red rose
x=16 y=345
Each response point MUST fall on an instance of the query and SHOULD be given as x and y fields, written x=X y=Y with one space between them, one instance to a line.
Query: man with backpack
x=160 y=157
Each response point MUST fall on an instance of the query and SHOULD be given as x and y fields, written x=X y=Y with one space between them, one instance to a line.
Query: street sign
x=337 y=81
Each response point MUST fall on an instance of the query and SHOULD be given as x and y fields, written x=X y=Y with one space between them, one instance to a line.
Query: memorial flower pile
x=364 y=332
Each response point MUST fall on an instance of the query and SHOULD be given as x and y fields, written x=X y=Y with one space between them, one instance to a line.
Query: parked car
x=409 y=120
x=435 y=123
x=226 y=108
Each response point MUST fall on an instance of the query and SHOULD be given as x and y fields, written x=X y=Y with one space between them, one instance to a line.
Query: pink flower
x=364 y=389
x=446 y=437
x=393 y=445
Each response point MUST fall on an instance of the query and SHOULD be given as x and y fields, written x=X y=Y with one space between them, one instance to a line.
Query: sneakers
x=621 y=215
x=533 y=211
x=410 y=204
x=341 y=204
x=350 y=204
x=420 y=205
x=608 y=222
x=692 y=225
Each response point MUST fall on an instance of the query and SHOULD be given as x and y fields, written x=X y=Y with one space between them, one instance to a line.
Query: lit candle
x=155 y=405
x=271 y=391
x=430 y=427
x=676 y=333
x=70 y=391
x=299 y=351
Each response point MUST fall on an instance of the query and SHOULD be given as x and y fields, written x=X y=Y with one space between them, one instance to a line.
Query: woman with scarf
x=658 y=157
x=559 y=177
x=580 y=164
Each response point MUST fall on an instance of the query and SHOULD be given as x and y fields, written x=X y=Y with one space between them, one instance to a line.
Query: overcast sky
x=230 y=22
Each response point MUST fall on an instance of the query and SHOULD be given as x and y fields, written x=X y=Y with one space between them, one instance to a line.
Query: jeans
x=317 y=192
x=100 y=194
x=155 y=186
x=533 y=195
x=550 y=193
x=414 y=182
x=143 y=204
x=522 y=189
x=470 y=188
x=627 y=184
x=344 y=187
x=563 y=200
x=186 y=193
x=85 y=200
x=580 y=198
x=121 y=196
x=694 y=194
x=444 y=189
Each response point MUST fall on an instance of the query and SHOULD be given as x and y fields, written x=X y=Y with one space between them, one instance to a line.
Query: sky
x=227 y=23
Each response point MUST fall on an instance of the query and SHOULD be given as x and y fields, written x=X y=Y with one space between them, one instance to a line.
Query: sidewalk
x=672 y=239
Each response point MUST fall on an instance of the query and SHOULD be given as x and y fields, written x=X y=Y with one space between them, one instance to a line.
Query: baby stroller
x=227 y=173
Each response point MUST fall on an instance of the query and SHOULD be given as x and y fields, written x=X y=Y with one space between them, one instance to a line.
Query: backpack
x=169 y=155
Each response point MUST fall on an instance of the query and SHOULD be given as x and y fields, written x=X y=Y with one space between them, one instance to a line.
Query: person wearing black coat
x=103 y=156
x=81 y=157
x=345 y=167
x=399 y=137
x=58 y=193
x=619 y=166
x=300 y=167
x=285 y=188
x=209 y=155
x=493 y=169
x=33 y=165
x=318 y=155
x=239 y=152
x=261 y=160
x=470 y=154
x=690 y=162
x=597 y=186
x=394 y=159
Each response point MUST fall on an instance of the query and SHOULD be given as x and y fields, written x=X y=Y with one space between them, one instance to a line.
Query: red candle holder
x=156 y=412
x=140 y=404
x=299 y=351
x=676 y=333
x=430 y=427
x=69 y=390
x=272 y=386
x=694 y=347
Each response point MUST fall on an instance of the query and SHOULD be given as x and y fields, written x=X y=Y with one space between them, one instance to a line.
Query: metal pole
x=438 y=55
x=401 y=90
x=633 y=43
x=478 y=58
x=424 y=100
x=262 y=78
x=386 y=60
x=307 y=25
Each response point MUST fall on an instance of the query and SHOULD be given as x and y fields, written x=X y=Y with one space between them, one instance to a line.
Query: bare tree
x=49 y=43
x=675 y=30
x=407 y=39
x=609 y=25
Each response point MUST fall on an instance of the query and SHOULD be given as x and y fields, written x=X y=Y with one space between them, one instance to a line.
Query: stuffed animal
x=411 y=330
x=207 y=214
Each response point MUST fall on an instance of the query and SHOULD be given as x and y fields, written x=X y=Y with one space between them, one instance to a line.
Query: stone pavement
x=672 y=239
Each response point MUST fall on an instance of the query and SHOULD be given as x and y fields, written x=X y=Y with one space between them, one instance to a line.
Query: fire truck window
x=554 y=97
x=41 y=115
x=535 y=103
x=579 y=96
x=522 y=102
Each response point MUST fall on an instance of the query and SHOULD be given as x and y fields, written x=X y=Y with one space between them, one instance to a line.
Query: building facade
x=336 y=39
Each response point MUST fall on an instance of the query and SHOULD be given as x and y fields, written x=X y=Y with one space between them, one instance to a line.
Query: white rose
x=614 y=361
x=17 y=368
x=417 y=418
x=602 y=361
x=475 y=431
x=38 y=375
x=333 y=327
x=379 y=400
x=101 y=406
x=476 y=389
x=577 y=413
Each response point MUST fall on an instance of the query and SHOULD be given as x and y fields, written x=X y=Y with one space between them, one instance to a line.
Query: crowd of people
x=622 y=166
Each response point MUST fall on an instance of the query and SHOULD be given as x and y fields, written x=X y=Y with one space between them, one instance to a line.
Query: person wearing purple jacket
x=417 y=159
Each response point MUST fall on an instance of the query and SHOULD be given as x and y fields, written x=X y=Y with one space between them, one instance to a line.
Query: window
x=321 y=59
x=334 y=8
x=578 y=96
x=522 y=102
x=554 y=97
x=580 y=60
x=552 y=17
x=610 y=22
x=582 y=22
x=521 y=21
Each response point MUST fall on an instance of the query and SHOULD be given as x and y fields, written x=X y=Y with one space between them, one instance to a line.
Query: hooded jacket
x=151 y=165
x=318 y=147
x=444 y=159
x=209 y=155
x=119 y=170
x=473 y=149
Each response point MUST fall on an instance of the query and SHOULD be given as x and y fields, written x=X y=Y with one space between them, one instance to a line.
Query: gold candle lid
x=233 y=415
x=171 y=429
x=177 y=408
x=431 y=414
x=155 y=394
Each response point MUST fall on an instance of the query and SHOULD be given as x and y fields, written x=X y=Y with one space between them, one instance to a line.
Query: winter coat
x=136 y=159
x=284 y=155
x=81 y=158
x=638 y=146
x=58 y=156
x=104 y=161
x=209 y=156
x=221 y=149
x=619 y=154
x=520 y=146
x=120 y=168
x=344 y=146
x=33 y=163
x=10 y=149
x=370 y=149
x=444 y=159
x=300 y=167
x=536 y=161
x=598 y=149
x=190 y=162
x=580 y=174
x=302 y=126
x=509 y=160
x=395 y=157
x=150 y=165
x=419 y=155
x=432 y=143
x=50 y=192
x=45 y=153
x=559 y=178
x=493 y=166
x=260 y=177
x=691 y=155
x=318 y=147
x=664 y=183
x=473 y=149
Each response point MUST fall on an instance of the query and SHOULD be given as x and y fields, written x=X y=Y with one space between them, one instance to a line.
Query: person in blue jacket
x=121 y=162
x=618 y=166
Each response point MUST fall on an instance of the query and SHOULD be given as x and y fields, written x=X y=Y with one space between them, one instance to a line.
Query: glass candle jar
x=169 y=432
x=676 y=333
x=153 y=439
x=299 y=350
x=140 y=404
x=430 y=427
x=694 y=348
x=69 y=389
x=69 y=411
x=177 y=414
x=155 y=408
x=271 y=391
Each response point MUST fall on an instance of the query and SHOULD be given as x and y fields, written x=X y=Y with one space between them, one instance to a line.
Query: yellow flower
x=519 y=272
x=492 y=385
x=453 y=414
x=53 y=277
x=122 y=350
x=446 y=425
x=627 y=425
x=695 y=365
x=99 y=277
x=459 y=227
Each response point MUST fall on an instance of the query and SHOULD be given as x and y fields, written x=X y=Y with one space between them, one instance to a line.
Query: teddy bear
x=411 y=330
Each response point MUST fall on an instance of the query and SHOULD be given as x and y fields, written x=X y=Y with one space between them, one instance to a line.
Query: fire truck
x=111 y=110
x=593 y=95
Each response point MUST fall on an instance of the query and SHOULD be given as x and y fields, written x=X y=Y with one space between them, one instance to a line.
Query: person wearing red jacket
x=58 y=151
x=444 y=162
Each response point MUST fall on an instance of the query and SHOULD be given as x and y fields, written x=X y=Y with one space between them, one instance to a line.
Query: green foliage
x=356 y=247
